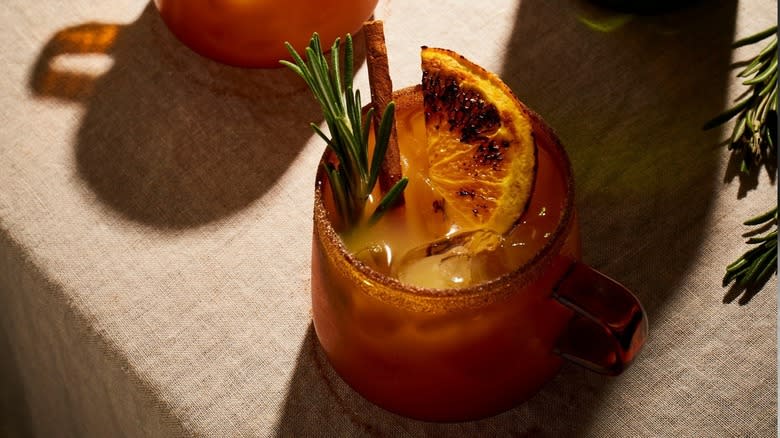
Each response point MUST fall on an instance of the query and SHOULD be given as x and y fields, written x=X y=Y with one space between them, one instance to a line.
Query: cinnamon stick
x=382 y=94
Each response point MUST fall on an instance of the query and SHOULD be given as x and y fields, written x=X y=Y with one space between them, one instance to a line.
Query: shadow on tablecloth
x=628 y=101
x=169 y=138
x=15 y=419
x=628 y=97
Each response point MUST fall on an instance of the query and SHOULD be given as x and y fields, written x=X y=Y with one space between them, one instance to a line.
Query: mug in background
x=251 y=33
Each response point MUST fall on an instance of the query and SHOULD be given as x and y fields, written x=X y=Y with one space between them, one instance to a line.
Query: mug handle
x=609 y=326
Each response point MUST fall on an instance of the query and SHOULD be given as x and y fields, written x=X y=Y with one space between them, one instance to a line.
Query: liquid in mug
x=401 y=243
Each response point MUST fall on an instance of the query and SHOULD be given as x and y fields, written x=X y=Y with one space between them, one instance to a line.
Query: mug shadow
x=645 y=180
x=168 y=138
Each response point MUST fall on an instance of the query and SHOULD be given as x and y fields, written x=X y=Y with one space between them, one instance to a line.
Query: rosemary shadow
x=749 y=180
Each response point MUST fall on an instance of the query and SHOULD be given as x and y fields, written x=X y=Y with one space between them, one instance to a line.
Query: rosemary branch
x=759 y=263
x=353 y=178
x=754 y=134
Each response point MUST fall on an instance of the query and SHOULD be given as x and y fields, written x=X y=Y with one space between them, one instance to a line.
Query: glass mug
x=462 y=354
x=251 y=33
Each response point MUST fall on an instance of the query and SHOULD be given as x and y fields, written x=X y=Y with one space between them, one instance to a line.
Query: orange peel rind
x=481 y=150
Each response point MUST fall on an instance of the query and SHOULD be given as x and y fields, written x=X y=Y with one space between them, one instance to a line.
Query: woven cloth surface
x=155 y=222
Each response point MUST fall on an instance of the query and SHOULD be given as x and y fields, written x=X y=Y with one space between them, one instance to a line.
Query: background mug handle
x=47 y=79
x=609 y=326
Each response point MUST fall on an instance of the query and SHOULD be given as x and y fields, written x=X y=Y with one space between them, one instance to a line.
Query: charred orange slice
x=480 y=147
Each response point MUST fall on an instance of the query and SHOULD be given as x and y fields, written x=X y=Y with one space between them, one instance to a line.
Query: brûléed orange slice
x=481 y=149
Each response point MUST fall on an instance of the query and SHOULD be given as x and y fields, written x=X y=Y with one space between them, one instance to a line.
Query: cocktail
x=251 y=33
x=465 y=299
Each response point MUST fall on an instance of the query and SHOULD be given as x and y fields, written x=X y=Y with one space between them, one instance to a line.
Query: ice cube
x=440 y=271
x=456 y=267
x=377 y=256
x=451 y=262
x=439 y=265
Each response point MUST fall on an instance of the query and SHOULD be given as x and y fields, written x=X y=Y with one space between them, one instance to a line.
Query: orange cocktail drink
x=461 y=352
x=466 y=298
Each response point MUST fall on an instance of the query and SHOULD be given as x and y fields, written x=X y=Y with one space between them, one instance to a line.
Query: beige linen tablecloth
x=155 y=220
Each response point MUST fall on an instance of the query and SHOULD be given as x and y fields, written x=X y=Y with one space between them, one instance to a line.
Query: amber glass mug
x=251 y=33
x=462 y=354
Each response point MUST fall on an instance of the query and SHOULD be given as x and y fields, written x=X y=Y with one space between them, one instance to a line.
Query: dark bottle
x=648 y=7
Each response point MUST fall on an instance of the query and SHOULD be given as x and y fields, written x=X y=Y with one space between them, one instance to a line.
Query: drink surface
x=401 y=243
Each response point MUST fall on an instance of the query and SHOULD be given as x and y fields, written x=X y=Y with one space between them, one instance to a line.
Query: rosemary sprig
x=353 y=178
x=754 y=135
x=759 y=263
